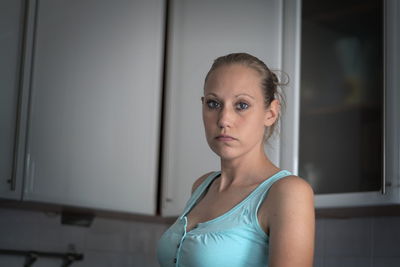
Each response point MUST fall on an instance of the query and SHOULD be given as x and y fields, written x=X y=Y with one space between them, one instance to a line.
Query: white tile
x=150 y=261
x=386 y=262
x=15 y=215
x=107 y=259
x=47 y=262
x=318 y=262
x=319 y=238
x=61 y=237
x=140 y=259
x=107 y=235
x=11 y=261
x=347 y=262
x=108 y=242
x=386 y=237
x=348 y=237
x=141 y=238
x=19 y=235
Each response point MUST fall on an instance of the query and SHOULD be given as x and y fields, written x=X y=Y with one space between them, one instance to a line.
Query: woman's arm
x=291 y=223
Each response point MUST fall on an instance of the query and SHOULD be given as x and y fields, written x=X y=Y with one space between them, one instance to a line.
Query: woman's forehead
x=233 y=80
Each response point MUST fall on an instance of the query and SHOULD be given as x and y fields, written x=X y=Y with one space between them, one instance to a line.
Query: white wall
x=358 y=242
x=106 y=243
x=353 y=242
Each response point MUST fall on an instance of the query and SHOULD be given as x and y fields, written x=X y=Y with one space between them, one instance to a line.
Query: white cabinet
x=391 y=95
x=11 y=32
x=200 y=31
x=90 y=104
x=95 y=104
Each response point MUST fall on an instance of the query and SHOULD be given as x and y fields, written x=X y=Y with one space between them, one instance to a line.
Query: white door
x=94 y=120
x=200 y=31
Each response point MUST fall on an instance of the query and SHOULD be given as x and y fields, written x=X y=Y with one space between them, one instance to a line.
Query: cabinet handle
x=11 y=181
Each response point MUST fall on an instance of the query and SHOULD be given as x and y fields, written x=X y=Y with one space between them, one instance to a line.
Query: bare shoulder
x=291 y=186
x=290 y=196
x=199 y=180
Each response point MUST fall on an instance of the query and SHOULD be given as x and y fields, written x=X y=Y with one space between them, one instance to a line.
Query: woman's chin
x=225 y=153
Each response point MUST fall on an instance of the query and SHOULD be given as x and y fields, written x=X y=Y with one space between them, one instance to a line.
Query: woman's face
x=233 y=105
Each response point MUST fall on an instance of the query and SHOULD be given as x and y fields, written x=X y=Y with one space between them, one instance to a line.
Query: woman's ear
x=272 y=113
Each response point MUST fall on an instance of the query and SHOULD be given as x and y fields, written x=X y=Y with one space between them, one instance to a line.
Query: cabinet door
x=11 y=32
x=347 y=118
x=199 y=32
x=95 y=104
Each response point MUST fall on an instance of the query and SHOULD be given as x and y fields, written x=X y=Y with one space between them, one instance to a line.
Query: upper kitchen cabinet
x=95 y=104
x=200 y=31
x=343 y=121
x=11 y=40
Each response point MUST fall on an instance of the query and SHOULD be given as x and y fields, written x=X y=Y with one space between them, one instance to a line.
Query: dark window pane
x=341 y=95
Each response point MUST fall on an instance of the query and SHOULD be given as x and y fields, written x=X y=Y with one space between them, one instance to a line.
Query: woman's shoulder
x=200 y=180
x=291 y=192
x=291 y=184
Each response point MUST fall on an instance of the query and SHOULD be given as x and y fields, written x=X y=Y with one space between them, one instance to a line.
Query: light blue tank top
x=233 y=239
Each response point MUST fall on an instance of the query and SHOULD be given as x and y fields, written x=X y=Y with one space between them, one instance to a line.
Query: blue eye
x=242 y=106
x=212 y=104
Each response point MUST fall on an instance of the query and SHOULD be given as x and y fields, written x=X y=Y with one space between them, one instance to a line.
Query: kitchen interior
x=101 y=130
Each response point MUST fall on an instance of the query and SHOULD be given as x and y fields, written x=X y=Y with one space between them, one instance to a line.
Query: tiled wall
x=355 y=242
x=358 y=242
x=108 y=242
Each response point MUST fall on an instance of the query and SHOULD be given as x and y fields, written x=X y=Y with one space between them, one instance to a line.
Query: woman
x=250 y=213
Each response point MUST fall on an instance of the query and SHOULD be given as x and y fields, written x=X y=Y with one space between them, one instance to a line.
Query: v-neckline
x=228 y=212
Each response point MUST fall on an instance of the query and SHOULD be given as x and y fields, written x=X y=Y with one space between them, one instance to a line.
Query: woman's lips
x=225 y=138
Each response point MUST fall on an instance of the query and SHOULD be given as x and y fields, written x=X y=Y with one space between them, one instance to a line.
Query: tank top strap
x=264 y=187
x=198 y=192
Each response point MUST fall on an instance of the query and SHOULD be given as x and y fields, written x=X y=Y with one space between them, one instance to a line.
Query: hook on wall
x=30 y=258
x=71 y=258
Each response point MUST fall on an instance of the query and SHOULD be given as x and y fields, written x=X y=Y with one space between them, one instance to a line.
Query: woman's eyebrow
x=246 y=95
x=212 y=94
x=235 y=95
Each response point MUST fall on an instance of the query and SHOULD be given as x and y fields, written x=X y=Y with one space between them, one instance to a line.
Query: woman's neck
x=251 y=168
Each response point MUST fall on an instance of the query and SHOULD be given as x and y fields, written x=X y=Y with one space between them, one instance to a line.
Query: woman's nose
x=225 y=117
